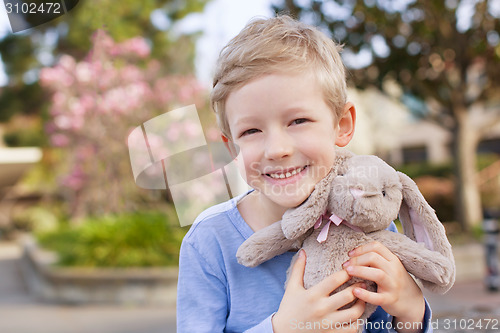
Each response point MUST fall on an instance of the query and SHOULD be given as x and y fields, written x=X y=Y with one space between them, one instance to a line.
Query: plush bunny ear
x=419 y=220
x=421 y=224
x=342 y=155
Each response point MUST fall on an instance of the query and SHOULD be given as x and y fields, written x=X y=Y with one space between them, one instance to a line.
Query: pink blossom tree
x=96 y=102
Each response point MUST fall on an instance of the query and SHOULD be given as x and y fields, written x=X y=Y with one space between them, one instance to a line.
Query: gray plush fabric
x=369 y=194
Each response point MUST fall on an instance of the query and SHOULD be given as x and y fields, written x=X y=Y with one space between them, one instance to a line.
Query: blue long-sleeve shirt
x=216 y=294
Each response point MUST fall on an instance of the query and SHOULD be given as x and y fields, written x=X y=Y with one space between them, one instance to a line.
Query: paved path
x=21 y=313
x=466 y=306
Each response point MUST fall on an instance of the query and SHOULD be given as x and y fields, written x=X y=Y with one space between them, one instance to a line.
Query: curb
x=129 y=286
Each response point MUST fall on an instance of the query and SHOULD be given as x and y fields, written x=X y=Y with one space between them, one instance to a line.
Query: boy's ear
x=346 y=125
x=231 y=147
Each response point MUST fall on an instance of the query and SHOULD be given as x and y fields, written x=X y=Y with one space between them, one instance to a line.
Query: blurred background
x=83 y=248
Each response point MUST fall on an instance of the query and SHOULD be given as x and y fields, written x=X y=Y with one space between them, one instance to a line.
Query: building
x=387 y=128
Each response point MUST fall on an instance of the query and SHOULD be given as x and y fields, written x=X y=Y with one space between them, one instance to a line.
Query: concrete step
x=22 y=313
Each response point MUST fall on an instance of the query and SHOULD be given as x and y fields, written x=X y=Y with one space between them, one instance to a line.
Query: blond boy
x=280 y=97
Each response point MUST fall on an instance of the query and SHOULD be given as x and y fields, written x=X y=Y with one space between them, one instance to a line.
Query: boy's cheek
x=248 y=172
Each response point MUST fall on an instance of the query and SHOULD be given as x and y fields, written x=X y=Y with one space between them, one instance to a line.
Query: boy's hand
x=313 y=309
x=397 y=292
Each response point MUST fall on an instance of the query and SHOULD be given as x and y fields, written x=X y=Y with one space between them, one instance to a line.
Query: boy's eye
x=300 y=121
x=249 y=131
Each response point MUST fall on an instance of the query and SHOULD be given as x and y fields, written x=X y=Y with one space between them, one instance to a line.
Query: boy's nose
x=278 y=146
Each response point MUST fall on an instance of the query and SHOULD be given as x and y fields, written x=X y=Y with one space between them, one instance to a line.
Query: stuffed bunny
x=351 y=206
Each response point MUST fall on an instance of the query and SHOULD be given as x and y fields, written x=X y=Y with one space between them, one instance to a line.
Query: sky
x=221 y=20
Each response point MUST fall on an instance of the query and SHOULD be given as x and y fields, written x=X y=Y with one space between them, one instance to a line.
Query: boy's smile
x=286 y=134
x=285 y=174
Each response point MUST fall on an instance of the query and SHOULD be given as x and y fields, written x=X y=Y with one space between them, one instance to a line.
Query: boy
x=280 y=96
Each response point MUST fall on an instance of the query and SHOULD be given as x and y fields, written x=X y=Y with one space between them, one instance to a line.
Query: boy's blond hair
x=278 y=45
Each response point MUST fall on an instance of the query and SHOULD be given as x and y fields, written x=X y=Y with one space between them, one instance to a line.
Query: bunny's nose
x=359 y=193
x=356 y=193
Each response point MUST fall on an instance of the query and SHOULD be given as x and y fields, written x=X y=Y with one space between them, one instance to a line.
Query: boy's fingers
x=297 y=274
x=369 y=273
x=373 y=247
x=357 y=309
x=368 y=296
x=332 y=282
x=371 y=259
x=352 y=314
x=345 y=296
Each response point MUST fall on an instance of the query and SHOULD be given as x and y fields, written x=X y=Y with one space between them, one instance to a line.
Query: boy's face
x=286 y=134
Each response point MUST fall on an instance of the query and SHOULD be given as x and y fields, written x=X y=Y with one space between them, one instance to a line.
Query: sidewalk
x=469 y=295
x=462 y=309
x=21 y=313
x=467 y=307
x=464 y=300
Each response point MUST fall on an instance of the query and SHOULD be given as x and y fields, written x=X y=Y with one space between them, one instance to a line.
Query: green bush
x=143 y=239
x=443 y=170
x=437 y=183
x=415 y=170
x=35 y=218
x=24 y=138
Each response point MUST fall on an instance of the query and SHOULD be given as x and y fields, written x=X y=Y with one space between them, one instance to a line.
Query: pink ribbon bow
x=332 y=218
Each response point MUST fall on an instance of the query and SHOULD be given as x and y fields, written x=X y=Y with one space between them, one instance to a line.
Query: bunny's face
x=367 y=193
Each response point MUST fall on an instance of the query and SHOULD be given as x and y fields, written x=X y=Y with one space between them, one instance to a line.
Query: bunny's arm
x=436 y=271
x=266 y=244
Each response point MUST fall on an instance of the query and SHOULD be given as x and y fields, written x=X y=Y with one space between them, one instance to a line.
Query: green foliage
x=35 y=218
x=443 y=170
x=142 y=239
x=21 y=99
x=477 y=232
x=485 y=160
x=41 y=180
x=23 y=131
x=427 y=51
x=415 y=170
x=23 y=138
x=437 y=182
x=71 y=34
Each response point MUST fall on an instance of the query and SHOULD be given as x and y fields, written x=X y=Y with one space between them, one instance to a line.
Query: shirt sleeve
x=202 y=300
x=427 y=325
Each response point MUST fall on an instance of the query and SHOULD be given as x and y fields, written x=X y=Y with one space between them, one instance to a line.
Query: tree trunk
x=467 y=198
